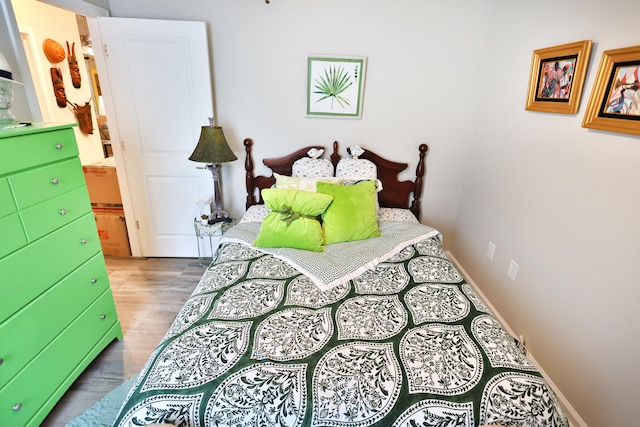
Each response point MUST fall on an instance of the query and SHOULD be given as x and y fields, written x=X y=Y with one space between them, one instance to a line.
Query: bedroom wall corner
x=574 y=418
x=562 y=202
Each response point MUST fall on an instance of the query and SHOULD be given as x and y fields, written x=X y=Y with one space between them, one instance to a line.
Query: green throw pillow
x=352 y=214
x=293 y=220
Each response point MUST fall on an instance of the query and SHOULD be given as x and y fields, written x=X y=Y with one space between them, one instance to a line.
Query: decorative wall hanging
x=83 y=115
x=74 y=70
x=557 y=77
x=335 y=86
x=614 y=105
x=53 y=51
x=58 y=87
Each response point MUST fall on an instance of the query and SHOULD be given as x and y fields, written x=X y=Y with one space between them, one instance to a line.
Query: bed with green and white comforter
x=391 y=336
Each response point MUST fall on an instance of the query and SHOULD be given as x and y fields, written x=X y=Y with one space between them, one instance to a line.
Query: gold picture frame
x=557 y=77
x=614 y=105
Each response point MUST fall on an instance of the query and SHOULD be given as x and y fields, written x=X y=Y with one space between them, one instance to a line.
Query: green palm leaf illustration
x=334 y=82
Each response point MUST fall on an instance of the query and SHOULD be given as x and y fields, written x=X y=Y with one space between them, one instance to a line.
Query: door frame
x=116 y=145
x=20 y=57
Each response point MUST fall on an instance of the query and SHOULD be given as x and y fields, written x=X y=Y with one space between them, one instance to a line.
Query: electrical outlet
x=513 y=270
x=491 y=249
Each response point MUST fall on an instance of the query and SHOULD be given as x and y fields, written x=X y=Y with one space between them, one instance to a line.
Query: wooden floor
x=148 y=293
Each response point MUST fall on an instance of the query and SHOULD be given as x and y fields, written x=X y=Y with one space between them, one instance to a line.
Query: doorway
x=157 y=86
x=68 y=32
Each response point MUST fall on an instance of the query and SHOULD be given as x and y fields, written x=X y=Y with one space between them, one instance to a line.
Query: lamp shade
x=212 y=147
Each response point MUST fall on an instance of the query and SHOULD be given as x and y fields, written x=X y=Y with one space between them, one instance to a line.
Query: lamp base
x=218 y=214
x=221 y=219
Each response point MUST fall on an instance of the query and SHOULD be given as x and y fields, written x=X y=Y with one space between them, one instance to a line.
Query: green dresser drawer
x=22 y=397
x=7 y=204
x=12 y=233
x=18 y=152
x=30 y=271
x=37 y=324
x=44 y=183
x=52 y=214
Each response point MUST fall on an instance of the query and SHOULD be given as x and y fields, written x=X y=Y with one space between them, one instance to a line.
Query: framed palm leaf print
x=335 y=86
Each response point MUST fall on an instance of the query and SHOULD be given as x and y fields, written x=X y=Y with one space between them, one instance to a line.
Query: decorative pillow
x=312 y=167
x=352 y=214
x=293 y=220
x=255 y=213
x=396 y=214
x=357 y=168
x=300 y=183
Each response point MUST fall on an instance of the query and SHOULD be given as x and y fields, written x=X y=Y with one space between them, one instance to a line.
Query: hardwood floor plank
x=148 y=293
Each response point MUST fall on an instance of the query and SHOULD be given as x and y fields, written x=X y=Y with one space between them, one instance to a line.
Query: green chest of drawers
x=56 y=308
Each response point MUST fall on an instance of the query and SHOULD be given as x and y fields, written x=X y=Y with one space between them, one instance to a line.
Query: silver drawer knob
x=94 y=280
x=83 y=241
x=55 y=181
x=63 y=211
x=103 y=316
x=17 y=407
x=59 y=146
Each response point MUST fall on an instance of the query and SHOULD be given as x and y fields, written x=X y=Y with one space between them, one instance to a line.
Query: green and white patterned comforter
x=405 y=343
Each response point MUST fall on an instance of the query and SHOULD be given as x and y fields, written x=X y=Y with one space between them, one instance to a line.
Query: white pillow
x=303 y=183
x=255 y=213
x=396 y=214
x=312 y=168
x=363 y=168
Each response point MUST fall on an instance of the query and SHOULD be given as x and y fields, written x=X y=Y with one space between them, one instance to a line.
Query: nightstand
x=212 y=231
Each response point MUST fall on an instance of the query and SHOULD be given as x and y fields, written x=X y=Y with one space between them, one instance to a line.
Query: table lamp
x=213 y=149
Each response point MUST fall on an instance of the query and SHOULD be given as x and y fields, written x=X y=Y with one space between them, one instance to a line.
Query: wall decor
x=74 y=69
x=335 y=86
x=58 y=87
x=53 y=51
x=557 y=77
x=83 y=116
x=614 y=105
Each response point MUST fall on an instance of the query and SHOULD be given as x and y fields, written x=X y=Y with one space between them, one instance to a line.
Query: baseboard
x=574 y=419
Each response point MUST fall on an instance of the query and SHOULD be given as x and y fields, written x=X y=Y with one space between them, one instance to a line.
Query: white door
x=157 y=75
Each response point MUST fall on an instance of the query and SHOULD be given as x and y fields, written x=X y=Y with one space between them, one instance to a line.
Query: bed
x=374 y=331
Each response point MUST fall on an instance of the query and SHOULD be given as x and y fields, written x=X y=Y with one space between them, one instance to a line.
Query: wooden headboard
x=395 y=193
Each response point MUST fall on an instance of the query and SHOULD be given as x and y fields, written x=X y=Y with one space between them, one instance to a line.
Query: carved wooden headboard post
x=335 y=157
x=417 y=189
x=248 y=167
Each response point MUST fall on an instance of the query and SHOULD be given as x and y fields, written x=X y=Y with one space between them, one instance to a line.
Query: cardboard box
x=102 y=183
x=112 y=230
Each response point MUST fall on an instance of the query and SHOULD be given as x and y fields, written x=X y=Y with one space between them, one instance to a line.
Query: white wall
x=44 y=21
x=259 y=67
x=563 y=202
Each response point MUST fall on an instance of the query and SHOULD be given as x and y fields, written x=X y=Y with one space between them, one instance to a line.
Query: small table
x=211 y=230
